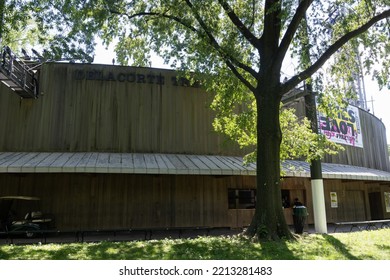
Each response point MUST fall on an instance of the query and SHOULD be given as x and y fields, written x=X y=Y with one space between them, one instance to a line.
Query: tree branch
x=239 y=76
x=292 y=29
x=154 y=14
x=295 y=80
x=229 y=60
x=240 y=25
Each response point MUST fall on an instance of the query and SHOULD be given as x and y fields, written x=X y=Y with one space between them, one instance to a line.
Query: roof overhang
x=130 y=163
x=294 y=168
x=138 y=163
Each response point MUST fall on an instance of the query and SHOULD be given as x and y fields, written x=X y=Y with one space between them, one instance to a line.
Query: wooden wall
x=354 y=200
x=374 y=153
x=298 y=188
x=101 y=201
x=124 y=109
x=110 y=108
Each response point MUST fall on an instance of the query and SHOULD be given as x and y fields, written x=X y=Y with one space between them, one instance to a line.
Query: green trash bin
x=299 y=218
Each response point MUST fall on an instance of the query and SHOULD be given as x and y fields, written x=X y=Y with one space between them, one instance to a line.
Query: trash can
x=299 y=218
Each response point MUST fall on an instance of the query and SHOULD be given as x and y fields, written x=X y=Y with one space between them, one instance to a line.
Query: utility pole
x=317 y=183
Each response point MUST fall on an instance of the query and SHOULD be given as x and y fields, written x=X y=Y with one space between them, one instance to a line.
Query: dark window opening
x=286 y=200
x=241 y=199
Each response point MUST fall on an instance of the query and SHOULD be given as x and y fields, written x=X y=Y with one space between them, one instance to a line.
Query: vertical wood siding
x=374 y=153
x=74 y=114
x=104 y=201
x=88 y=114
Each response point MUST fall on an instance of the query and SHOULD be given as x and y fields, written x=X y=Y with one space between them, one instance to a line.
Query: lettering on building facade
x=131 y=77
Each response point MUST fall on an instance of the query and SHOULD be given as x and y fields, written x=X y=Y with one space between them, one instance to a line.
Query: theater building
x=121 y=147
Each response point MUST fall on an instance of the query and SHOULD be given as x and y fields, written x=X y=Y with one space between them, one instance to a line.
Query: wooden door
x=376 y=208
x=355 y=209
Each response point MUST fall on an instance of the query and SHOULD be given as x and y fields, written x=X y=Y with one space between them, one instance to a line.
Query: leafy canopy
x=51 y=27
x=218 y=37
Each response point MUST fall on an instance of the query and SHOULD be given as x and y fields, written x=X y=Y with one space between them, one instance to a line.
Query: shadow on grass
x=105 y=250
x=201 y=248
x=339 y=247
x=229 y=248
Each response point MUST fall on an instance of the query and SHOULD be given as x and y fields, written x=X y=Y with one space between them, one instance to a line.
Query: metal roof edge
x=150 y=163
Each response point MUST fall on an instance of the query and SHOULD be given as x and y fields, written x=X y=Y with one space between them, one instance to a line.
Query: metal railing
x=17 y=75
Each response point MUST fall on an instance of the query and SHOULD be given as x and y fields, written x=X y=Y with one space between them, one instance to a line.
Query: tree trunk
x=268 y=221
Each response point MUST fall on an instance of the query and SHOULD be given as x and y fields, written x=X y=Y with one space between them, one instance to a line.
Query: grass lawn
x=364 y=245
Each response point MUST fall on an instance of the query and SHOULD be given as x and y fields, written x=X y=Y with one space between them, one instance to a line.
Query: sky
x=378 y=101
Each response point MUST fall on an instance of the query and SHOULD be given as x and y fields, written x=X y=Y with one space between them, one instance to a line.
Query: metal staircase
x=18 y=75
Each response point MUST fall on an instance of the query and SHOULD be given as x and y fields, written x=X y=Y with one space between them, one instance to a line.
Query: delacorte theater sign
x=131 y=77
x=345 y=129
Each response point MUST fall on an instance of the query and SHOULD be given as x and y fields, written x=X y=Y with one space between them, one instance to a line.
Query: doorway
x=376 y=208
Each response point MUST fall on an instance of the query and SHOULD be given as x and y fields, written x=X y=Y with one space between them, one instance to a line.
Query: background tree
x=15 y=24
x=239 y=47
x=43 y=24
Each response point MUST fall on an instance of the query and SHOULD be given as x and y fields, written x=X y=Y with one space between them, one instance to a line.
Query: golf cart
x=33 y=220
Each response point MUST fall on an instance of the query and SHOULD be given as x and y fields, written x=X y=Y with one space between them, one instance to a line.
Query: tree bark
x=268 y=221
